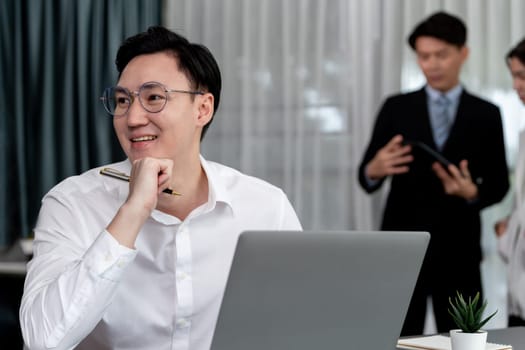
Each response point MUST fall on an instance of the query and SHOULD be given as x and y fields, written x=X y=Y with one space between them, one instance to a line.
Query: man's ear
x=205 y=107
x=464 y=52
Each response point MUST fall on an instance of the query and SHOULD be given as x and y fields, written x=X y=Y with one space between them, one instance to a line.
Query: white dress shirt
x=511 y=245
x=83 y=290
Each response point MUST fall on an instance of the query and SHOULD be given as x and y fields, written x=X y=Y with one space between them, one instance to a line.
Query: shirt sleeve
x=289 y=219
x=382 y=133
x=507 y=240
x=71 y=279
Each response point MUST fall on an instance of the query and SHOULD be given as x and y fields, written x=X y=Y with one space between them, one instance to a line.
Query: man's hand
x=390 y=160
x=149 y=177
x=457 y=182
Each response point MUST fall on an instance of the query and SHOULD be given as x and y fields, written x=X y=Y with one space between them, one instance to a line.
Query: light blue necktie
x=441 y=121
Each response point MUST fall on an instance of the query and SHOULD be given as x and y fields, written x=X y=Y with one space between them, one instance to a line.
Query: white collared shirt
x=83 y=287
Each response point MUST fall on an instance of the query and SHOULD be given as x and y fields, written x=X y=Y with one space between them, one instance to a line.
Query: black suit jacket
x=417 y=200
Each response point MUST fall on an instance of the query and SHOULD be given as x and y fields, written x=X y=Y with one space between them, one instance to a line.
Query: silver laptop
x=319 y=290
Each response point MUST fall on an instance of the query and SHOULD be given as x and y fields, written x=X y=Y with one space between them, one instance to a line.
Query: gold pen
x=125 y=177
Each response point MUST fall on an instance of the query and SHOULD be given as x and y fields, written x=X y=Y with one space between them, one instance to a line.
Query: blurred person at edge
x=511 y=230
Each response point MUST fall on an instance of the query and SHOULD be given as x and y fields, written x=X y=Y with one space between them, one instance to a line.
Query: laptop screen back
x=319 y=290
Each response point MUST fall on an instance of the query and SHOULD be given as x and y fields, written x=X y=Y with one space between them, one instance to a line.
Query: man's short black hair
x=194 y=60
x=518 y=52
x=442 y=26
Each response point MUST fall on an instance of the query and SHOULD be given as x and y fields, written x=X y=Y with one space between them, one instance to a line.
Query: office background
x=302 y=81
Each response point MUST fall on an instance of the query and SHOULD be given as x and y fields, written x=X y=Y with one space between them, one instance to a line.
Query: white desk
x=514 y=336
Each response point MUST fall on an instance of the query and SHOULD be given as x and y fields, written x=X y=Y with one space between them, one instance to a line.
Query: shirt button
x=182 y=323
x=181 y=275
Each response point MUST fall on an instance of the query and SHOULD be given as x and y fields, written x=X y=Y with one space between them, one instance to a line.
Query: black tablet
x=431 y=152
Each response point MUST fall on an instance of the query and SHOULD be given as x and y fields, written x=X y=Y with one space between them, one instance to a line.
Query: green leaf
x=467 y=314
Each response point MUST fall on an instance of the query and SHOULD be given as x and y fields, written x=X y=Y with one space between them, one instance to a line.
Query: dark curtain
x=56 y=57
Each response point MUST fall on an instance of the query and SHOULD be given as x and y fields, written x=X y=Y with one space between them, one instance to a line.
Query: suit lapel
x=424 y=118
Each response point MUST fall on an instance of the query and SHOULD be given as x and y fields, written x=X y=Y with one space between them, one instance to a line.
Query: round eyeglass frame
x=109 y=95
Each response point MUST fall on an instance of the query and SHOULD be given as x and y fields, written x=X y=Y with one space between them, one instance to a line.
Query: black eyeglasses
x=153 y=97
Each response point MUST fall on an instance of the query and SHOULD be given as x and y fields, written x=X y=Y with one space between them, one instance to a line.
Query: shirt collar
x=217 y=191
x=452 y=94
x=216 y=188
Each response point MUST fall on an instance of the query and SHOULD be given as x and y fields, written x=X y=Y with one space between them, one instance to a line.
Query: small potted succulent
x=468 y=317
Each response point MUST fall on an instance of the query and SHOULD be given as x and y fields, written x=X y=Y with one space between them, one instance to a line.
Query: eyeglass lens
x=117 y=100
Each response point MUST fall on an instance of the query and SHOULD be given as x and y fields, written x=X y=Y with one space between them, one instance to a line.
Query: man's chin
x=438 y=85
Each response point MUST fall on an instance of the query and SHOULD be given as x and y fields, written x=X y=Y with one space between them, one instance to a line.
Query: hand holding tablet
x=431 y=152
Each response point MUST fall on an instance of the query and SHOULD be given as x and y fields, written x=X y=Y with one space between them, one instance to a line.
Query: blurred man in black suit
x=429 y=193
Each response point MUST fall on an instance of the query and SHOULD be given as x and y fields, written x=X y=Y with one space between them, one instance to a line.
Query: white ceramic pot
x=468 y=341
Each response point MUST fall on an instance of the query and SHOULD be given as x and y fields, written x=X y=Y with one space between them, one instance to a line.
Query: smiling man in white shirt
x=122 y=265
